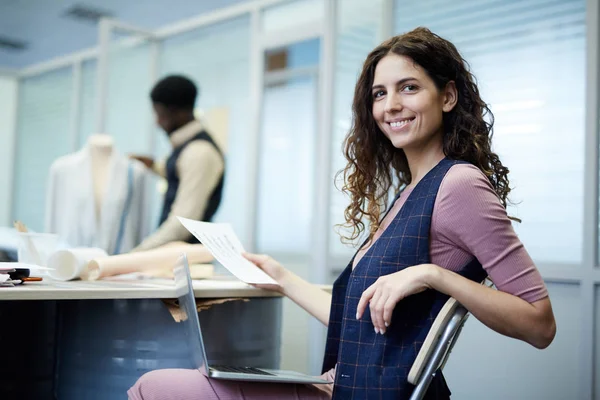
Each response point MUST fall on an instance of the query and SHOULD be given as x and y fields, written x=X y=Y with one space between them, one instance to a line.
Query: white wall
x=486 y=365
x=8 y=117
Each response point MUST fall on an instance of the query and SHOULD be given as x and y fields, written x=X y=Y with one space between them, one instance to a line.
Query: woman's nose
x=393 y=103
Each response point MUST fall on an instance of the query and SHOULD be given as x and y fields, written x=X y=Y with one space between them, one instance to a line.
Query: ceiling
x=41 y=25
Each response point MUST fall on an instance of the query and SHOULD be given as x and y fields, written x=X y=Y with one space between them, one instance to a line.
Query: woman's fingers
x=257 y=259
x=266 y=286
x=388 y=309
x=377 y=314
x=364 y=301
x=372 y=297
x=373 y=307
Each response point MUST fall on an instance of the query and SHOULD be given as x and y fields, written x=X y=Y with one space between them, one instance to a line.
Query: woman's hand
x=272 y=268
x=308 y=296
x=388 y=290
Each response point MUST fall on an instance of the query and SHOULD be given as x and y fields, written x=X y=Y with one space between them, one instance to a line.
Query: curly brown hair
x=375 y=165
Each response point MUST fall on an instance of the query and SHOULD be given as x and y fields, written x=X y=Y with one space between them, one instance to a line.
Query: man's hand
x=147 y=161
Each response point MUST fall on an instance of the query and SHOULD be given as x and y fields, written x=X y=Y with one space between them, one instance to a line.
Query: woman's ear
x=450 y=97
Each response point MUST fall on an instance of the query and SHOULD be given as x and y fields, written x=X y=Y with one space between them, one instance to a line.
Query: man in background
x=195 y=168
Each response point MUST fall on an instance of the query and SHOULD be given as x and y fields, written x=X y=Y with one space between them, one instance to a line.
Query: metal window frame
x=6 y=213
x=106 y=28
x=589 y=268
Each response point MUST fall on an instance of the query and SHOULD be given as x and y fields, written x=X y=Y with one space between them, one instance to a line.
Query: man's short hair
x=175 y=91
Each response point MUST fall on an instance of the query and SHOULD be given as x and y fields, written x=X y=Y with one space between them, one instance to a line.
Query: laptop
x=187 y=303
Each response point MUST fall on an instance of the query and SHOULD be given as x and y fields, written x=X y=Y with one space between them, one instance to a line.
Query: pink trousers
x=191 y=384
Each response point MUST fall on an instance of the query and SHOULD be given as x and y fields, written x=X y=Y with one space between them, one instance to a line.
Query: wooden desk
x=143 y=289
x=93 y=340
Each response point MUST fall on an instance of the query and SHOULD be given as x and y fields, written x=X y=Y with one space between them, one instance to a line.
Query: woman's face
x=407 y=105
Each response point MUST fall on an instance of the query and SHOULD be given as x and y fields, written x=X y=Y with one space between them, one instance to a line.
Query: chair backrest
x=438 y=344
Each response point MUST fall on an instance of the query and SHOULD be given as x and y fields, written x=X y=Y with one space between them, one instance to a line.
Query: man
x=195 y=168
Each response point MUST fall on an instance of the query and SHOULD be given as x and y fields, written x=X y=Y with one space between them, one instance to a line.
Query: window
x=529 y=59
x=43 y=135
x=217 y=59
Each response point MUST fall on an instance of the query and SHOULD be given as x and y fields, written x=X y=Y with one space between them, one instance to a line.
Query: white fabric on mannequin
x=86 y=196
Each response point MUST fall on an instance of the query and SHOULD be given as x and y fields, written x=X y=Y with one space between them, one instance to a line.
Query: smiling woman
x=418 y=117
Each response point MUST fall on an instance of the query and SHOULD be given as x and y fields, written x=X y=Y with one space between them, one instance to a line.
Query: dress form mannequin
x=95 y=197
x=101 y=149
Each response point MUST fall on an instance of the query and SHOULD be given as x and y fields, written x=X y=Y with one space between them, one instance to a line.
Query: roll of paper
x=72 y=264
x=163 y=257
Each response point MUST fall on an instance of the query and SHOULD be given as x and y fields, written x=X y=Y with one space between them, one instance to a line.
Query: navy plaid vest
x=173 y=184
x=372 y=366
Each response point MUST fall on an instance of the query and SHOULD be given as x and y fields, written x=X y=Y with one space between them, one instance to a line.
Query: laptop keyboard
x=239 y=370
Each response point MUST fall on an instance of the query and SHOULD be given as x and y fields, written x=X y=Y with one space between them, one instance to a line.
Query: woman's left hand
x=388 y=290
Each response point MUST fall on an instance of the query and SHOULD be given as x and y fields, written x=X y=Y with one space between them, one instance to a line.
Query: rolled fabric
x=162 y=257
x=72 y=263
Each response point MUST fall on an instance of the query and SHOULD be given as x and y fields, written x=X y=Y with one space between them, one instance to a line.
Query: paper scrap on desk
x=201 y=304
x=223 y=243
x=4 y=266
x=5 y=281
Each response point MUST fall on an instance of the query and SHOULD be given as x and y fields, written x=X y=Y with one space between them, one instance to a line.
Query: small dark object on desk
x=19 y=273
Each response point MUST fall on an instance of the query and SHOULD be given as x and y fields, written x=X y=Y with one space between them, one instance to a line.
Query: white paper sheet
x=12 y=265
x=223 y=243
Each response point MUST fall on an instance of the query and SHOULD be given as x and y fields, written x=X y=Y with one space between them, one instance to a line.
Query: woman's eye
x=409 y=88
x=378 y=94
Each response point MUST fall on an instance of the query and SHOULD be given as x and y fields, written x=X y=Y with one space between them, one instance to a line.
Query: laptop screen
x=189 y=318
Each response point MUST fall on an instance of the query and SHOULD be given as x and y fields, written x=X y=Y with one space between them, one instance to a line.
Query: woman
x=418 y=121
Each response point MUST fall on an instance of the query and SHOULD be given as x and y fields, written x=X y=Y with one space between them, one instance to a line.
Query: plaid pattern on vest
x=372 y=366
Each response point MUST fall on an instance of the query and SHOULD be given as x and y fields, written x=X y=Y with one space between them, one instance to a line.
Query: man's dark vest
x=173 y=180
x=375 y=366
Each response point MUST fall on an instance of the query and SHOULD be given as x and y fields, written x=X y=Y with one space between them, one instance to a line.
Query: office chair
x=437 y=345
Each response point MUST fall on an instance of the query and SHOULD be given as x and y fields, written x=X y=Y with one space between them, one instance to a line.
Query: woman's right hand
x=272 y=268
x=308 y=296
